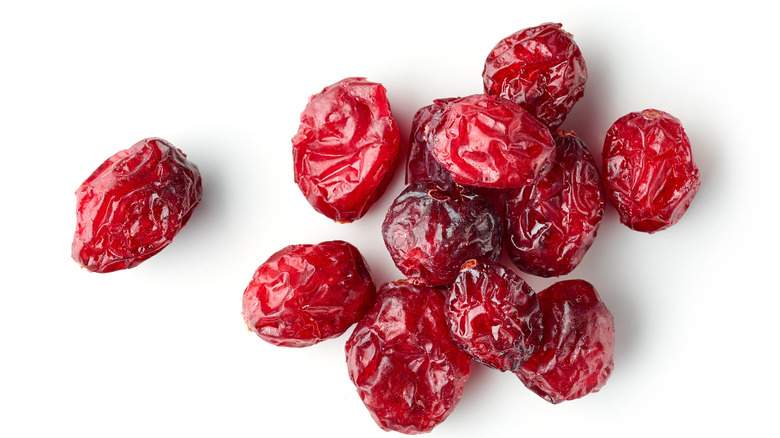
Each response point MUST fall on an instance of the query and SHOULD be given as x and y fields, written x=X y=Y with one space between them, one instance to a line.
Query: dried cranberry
x=649 y=171
x=486 y=141
x=541 y=68
x=576 y=356
x=432 y=228
x=420 y=163
x=550 y=225
x=347 y=148
x=407 y=370
x=132 y=206
x=494 y=315
x=305 y=294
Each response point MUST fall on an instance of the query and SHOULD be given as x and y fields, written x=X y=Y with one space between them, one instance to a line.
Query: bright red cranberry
x=491 y=142
x=576 y=354
x=347 y=148
x=407 y=370
x=305 y=294
x=432 y=228
x=132 y=206
x=420 y=163
x=550 y=225
x=540 y=68
x=649 y=171
x=494 y=315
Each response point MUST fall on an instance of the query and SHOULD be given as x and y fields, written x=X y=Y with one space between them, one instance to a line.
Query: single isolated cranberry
x=491 y=142
x=407 y=370
x=493 y=314
x=540 y=68
x=576 y=354
x=420 y=164
x=132 y=206
x=649 y=171
x=347 y=148
x=305 y=294
x=432 y=228
x=549 y=226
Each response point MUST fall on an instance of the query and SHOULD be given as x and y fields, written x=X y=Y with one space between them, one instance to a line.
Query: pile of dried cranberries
x=485 y=172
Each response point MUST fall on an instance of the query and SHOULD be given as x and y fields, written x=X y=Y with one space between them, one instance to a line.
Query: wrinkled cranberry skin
x=305 y=294
x=432 y=228
x=491 y=142
x=420 y=163
x=541 y=69
x=133 y=204
x=576 y=356
x=494 y=315
x=649 y=172
x=408 y=372
x=549 y=226
x=346 y=149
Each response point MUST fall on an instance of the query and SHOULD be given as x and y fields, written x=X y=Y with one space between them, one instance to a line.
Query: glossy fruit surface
x=649 y=171
x=346 y=149
x=132 y=206
x=540 y=68
x=493 y=314
x=305 y=294
x=549 y=226
x=432 y=228
x=576 y=354
x=420 y=163
x=407 y=370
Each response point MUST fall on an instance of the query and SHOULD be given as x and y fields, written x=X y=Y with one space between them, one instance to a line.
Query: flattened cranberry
x=432 y=228
x=132 y=206
x=305 y=294
x=407 y=370
x=494 y=315
x=576 y=356
x=551 y=225
x=420 y=163
x=540 y=68
x=491 y=142
x=347 y=148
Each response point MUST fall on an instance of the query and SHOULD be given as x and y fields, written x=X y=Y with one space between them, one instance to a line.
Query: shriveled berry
x=407 y=370
x=576 y=355
x=549 y=226
x=305 y=294
x=486 y=141
x=432 y=228
x=649 y=171
x=346 y=149
x=540 y=68
x=420 y=163
x=132 y=206
x=493 y=314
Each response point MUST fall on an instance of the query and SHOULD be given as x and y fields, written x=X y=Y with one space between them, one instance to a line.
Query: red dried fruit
x=491 y=142
x=540 y=68
x=420 y=163
x=576 y=354
x=493 y=315
x=132 y=206
x=407 y=370
x=550 y=226
x=305 y=294
x=649 y=171
x=347 y=148
x=432 y=228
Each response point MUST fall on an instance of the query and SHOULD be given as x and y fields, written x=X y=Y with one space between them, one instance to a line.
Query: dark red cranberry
x=550 y=225
x=540 y=68
x=649 y=171
x=432 y=228
x=486 y=141
x=576 y=354
x=132 y=206
x=347 y=148
x=420 y=163
x=494 y=315
x=305 y=294
x=407 y=370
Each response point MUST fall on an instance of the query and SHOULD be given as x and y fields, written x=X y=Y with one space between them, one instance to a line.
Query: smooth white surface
x=161 y=350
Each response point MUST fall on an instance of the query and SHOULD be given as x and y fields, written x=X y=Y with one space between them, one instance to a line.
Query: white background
x=161 y=350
